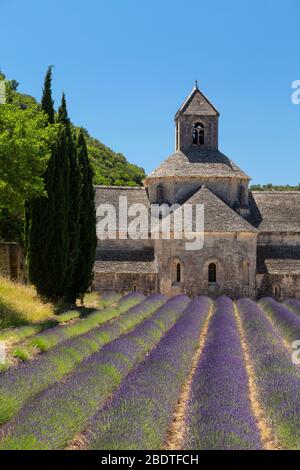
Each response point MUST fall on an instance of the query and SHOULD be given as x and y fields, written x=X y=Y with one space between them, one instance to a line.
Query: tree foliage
x=25 y=144
x=48 y=224
x=71 y=292
x=272 y=187
x=82 y=277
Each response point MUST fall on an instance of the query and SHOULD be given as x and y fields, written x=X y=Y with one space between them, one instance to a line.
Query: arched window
x=134 y=287
x=212 y=272
x=160 y=194
x=277 y=291
x=198 y=134
x=178 y=272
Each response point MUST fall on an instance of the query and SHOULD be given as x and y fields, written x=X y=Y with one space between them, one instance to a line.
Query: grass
x=19 y=305
x=23 y=315
x=50 y=338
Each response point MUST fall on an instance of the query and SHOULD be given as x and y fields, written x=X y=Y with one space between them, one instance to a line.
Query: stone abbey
x=251 y=239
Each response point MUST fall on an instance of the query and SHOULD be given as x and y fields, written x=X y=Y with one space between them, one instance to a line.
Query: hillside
x=110 y=168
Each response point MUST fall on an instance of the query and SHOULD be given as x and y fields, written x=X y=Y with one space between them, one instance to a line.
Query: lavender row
x=293 y=304
x=287 y=322
x=54 y=336
x=219 y=414
x=56 y=415
x=140 y=414
x=277 y=379
x=24 y=382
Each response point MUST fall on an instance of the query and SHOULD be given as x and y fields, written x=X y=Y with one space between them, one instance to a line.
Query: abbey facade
x=251 y=239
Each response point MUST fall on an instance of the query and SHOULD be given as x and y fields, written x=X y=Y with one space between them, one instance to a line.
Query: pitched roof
x=142 y=254
x=112 y=194
x=128 y=267
x=198 y=163
x=197 y=104
x=278 y=259
x=275 y=211
x=218 y=216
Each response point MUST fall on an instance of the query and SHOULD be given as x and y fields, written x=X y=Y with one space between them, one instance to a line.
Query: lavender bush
x=293 y=304
x=278 y=380
x=30 y=378
x=287 y=322
x=54 y=336
x=52 y=419
x=219 y=414
x=141 y=412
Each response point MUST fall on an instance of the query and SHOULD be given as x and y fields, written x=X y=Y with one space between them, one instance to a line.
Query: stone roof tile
x=204 y=164
x=275 y=211
x=278 y=259
x=130 y=267
x=218 y=216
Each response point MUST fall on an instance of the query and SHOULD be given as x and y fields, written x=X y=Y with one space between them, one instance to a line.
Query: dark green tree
x=48 y=234
x=47 y=101
x=83 y=274
x=71 y=292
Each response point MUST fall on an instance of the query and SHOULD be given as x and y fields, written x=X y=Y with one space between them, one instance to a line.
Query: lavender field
x=156 y=373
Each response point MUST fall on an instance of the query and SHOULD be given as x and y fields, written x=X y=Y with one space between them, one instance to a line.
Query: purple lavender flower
x=277 y=379
x=139 y=415
x=52 y=418
x=54 y=336
x=293 y=304
x=219 y=414
x=287 y=322
x=24 y=382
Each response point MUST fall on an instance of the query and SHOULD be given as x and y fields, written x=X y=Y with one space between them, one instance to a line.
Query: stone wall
x=125 y=282
x=185 y=127
x=11 y=261
x=4 y=260
x=235 y=258
x=288 y=285
x=179 y=190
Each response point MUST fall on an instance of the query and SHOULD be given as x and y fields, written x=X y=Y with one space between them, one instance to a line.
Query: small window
x=212 y=272
x=178 y=272
x=277 y=291
x=160 y=194
x=198 y=134
x=134 y=288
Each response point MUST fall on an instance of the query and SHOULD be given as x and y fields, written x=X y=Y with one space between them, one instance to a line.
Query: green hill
x=110 y=168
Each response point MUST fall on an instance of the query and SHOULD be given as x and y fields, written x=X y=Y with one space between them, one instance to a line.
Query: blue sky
x=127 y=65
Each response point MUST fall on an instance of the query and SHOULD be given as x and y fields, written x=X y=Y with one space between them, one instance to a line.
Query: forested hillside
x=110 y=168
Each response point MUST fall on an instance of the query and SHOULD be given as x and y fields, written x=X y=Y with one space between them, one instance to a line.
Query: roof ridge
x=233 y=213
x=189 y=98
x=118 y=187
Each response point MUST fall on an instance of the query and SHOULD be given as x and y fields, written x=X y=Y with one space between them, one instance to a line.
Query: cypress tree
x=87 y=240
x=47 y=101
x=48 y=240
x=71 y=292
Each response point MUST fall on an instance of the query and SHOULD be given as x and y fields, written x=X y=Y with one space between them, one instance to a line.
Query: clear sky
x=127 y=65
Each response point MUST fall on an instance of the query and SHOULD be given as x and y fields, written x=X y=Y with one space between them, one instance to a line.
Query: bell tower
x=196 y=124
